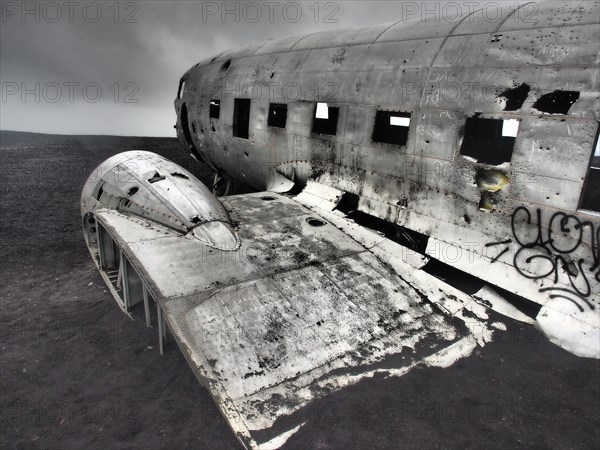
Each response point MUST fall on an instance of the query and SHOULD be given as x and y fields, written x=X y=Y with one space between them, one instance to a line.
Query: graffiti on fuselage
x=563 y=246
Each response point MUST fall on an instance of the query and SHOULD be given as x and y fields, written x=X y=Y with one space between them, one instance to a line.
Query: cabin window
x=391 y=127
x=590 y=197
x=214 y=109
x=277 y=115
x=489 y=141
x=181 y=88
x=325 y=119
x=241 y=117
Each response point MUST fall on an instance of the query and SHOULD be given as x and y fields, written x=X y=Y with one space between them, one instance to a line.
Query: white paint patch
x=499 y=326
x=575 y=332
x=469 y=158
x=322 y=111
x=451 y=354
x=278 y=441
x=510 y=127
x=501 y=305
x=400 y=121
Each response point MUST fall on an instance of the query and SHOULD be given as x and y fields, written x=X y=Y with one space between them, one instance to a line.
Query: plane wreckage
x=410 y=176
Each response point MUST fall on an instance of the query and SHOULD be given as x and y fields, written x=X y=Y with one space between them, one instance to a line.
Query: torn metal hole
x=195 y=219
x=132 y=191
x=157 y=177
x=315 y=222
x=348 y=203
x=402 y=203
x=180 y=175
x=408 y=238
x=557 y=102
x=267 y=198
x=515 y=97
x=496 y=38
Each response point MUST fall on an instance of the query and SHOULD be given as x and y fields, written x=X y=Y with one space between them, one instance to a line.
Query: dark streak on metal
x=490 y=244
x=499 y=255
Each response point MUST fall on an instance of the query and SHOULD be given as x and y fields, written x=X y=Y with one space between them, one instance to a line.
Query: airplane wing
x=306 y=303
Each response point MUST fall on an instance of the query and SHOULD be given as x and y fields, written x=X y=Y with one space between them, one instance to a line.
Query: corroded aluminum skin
x=296 y=312
x=441 y=71
x=236 y=314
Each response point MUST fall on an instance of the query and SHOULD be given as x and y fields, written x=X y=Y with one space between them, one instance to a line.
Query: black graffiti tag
x=549 y=246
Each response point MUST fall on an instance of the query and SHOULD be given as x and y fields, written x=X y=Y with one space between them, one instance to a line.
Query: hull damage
x=307 y=303
x=482 y=135
x=392 y=214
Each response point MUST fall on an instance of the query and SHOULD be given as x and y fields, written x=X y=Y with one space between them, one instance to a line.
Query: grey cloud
x=153 y=52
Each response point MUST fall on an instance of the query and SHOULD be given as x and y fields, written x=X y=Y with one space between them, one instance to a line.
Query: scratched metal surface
x=297 y=312
x=442 y=72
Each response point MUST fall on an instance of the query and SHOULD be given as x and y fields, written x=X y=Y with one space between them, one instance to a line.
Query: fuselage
x=481 y=135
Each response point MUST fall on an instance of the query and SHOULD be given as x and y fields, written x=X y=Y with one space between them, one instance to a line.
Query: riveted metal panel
x=565 y=46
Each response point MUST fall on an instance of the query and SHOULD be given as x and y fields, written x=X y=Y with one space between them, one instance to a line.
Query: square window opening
x=214 y=109
x=391 y=127
x=241 y=117
x=325 y=119
x=590 y=196
x=277 y=115
x=489 y=141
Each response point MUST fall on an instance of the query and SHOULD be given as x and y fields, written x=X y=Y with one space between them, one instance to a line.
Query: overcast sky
x=113 y=68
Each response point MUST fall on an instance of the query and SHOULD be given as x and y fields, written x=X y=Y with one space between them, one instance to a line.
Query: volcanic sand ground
x=78 y=373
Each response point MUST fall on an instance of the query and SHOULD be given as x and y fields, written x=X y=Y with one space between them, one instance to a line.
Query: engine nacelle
x=146 y=185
